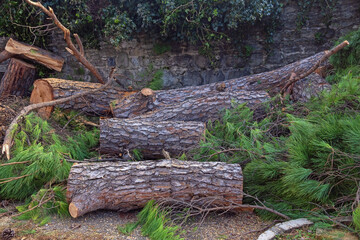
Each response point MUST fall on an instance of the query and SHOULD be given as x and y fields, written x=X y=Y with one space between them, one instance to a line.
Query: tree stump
x=130 y=185
x=18 y=78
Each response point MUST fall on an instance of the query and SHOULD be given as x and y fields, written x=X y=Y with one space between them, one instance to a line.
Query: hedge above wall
x=201 y=22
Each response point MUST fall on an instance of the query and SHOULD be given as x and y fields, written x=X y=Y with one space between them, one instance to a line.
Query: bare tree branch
x=79 y=55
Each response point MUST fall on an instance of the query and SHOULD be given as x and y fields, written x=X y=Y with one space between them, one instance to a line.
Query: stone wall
x=184 y=66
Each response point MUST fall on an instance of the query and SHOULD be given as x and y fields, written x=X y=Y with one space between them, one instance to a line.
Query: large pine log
x=273 y=81
x=151 y=138
x=18 y=78
x=98 y=103
x=129 y=185
x=36 y=54
x=205 y=108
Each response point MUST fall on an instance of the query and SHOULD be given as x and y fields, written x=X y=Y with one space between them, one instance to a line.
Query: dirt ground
x=103 y=225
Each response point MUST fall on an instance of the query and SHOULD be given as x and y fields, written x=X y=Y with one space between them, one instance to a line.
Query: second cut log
x=150 y=138
x=130 y=185
x=98 y=103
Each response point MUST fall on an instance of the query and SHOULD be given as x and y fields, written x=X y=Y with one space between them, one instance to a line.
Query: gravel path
x=102 y=225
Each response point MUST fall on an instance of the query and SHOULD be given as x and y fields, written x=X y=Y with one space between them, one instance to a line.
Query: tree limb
x=294 y=79
x=79 y=55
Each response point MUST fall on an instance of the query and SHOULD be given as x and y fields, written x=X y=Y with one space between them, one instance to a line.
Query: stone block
x=201 y=62
x=169 y=80
x=122 y=59
x=212 y=76
x=191 y=79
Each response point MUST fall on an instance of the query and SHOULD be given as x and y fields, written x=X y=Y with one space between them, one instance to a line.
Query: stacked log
x=48 y=89
x=273 y=81
x=208 y=108
x=151 y=138
x=130 y=185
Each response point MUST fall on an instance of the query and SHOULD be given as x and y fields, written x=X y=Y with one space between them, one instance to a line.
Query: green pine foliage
x=44 y=155
x=356 y=217
x=301 y=158
x=154 y=224
x=44 y=203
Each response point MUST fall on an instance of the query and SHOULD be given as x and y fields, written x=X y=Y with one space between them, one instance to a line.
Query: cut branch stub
x=18 y=78
x=36 y=54
x=130 y=185
x=176 y=137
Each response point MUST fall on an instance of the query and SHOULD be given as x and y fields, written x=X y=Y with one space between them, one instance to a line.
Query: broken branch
x=79 y=55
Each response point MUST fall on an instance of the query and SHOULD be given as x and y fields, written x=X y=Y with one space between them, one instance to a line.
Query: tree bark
x=130 y=185
x=205 y=108
x=36 y=54
x=5 y=55
x=97 y=103
x=151 y=138
x=272 y=81
x=18 y=78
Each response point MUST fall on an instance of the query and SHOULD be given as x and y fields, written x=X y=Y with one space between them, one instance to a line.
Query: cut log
x=42 y=92
x=272 y=81
x=205 y=108
x=151 y=138
x=137 y=104
x=97 y=103
x=18 y=78
x=36 y=54
x=130 y=185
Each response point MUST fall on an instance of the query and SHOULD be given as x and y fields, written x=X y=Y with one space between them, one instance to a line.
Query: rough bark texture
x=136 y=105
x=206 y=108
x=97 y=103
x=42 y=92
x=36 y=54
x=309 y=87
x=129 y=185
x=176 y=137
x=18 y=78
x=4 y=55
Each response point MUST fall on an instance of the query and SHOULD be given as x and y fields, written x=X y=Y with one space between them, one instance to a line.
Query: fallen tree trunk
x=36 y=54
x=18 y=78
x=98 y=103
x=272 y=81
x=151 y=138
x=130 y=185
x=205 y=108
